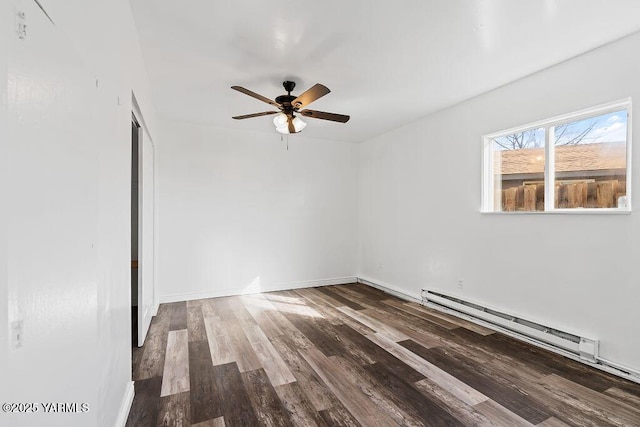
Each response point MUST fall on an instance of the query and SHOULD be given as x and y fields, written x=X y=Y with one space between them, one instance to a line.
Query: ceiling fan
x=288 y=105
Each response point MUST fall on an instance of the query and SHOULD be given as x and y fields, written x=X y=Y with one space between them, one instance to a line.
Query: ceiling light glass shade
x=298 y=124
x=280 y=120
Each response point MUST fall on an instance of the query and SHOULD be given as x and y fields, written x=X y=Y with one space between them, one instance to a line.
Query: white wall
x=67 y=247
x=238 y=213
x=421 y=226
x=6 y=19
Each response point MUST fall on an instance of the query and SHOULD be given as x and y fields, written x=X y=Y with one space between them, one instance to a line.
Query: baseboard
x=125 y=407
x=390 y=289
x=254 y=289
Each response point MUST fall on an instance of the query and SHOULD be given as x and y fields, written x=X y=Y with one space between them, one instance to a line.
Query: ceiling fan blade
x=317 y=91
x=314 y=114
x=248 y=116
x=255 y=95
x=292 y=128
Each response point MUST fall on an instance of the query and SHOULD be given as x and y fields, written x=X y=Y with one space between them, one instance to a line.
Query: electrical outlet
x=460 y=284
x=17 y=333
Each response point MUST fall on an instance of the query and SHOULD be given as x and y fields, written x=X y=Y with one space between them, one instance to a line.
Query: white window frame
x=488 y=183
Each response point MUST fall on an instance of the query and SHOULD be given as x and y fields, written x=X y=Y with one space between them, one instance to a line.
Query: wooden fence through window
x=569 y=194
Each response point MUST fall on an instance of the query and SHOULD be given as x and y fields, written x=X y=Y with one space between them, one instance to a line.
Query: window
x=576 y=162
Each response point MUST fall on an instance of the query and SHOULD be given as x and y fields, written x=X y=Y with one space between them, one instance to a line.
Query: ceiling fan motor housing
x=285 y=101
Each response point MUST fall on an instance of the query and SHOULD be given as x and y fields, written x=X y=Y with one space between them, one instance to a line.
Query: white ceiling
x=386 y=63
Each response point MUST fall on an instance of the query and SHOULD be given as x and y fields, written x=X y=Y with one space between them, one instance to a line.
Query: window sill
x=602 y=211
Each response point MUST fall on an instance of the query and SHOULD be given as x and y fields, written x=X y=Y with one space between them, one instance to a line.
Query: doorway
x=135 y=221
x=144 y=301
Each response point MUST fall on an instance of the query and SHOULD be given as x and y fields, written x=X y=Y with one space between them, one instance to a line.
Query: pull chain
x=282 y=138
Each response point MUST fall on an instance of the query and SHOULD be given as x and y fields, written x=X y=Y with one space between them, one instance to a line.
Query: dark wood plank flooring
x=352 y=355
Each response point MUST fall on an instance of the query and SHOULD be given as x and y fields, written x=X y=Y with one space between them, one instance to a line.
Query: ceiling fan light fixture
x=280 y=120
x=282 y=124
x=299 y=124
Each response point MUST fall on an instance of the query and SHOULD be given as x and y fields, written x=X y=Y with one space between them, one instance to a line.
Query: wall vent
x=583 y=347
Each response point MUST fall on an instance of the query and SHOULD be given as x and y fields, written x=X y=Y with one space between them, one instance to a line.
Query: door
x=145 y=229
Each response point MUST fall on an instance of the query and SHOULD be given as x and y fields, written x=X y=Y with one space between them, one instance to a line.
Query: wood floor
x=351 y=355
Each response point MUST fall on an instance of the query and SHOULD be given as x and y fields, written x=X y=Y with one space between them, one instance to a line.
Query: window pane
x=518 y=171
x=591 y=162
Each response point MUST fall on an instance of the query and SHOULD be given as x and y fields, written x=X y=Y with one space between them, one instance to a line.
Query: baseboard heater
x=584 y=348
